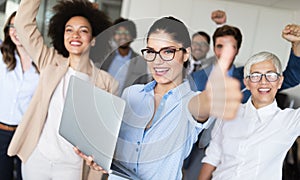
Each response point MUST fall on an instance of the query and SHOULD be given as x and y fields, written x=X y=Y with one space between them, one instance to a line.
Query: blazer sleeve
x=29 y=35
x=292 y=72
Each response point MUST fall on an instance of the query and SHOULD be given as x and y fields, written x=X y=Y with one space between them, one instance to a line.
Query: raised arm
x=206 y=171
x=28 y=33
x=291 y=33
x=222 y=95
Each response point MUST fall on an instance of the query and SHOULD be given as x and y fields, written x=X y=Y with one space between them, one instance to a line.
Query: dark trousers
x=10 y=167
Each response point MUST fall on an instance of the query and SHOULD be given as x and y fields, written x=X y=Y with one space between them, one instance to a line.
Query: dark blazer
x=137 y=71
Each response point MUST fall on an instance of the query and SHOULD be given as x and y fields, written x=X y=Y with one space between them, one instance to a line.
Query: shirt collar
x=264 y=113
x=180 y=91
x=196 y=62
x=125 y=57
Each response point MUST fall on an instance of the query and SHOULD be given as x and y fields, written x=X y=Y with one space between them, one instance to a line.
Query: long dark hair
x=8 y=47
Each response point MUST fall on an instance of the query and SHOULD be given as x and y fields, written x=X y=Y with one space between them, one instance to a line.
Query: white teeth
x=75 y=43
x=161 y=69
x=264 y=89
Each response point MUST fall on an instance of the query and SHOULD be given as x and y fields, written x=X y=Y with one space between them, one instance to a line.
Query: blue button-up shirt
x=16 y=91
x=159 y=151
x=119 y=68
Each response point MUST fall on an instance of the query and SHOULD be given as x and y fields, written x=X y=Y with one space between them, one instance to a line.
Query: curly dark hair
x=65 y=10
x=8 y=47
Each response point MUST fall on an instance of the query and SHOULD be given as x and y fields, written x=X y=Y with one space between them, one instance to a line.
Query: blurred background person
x=200 y=48
x=18 y=81
x=124 y=64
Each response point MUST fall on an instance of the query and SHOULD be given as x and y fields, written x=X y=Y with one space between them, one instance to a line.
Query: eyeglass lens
x=271 y=77
x=166 y=54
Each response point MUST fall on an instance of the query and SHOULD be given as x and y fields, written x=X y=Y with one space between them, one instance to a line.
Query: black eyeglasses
x=11 y=26
x=271 y=77
x=166 y=54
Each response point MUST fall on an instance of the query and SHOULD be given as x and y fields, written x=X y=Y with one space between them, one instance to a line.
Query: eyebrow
x=79 y=27
x=162 y=47
x=263 y=73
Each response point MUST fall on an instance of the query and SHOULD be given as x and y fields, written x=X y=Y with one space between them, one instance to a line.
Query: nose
x=158 y=59
x=75 y=34
x=264 y=80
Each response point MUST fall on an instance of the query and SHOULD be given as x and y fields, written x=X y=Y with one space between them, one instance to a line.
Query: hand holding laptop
x=89 y=161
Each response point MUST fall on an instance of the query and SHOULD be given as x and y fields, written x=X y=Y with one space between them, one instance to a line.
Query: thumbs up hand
x=223 y=92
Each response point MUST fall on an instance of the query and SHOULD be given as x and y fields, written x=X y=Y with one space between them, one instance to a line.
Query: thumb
x=227 y=56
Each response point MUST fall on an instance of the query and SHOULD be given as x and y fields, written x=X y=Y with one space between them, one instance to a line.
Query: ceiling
x=285 y=4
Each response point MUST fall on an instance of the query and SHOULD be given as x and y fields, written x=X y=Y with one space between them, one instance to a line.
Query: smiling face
x=166 y=72
x=13 y=34
x=78 y=35
x=122 y=37
x=263 y=92
x=200 y=47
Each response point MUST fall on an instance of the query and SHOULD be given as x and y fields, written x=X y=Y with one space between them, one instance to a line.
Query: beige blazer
x=52 y=67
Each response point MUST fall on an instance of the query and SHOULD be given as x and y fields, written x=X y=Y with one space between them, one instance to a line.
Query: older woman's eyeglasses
x=166 y=54
x=270 y=76
x=11 y=26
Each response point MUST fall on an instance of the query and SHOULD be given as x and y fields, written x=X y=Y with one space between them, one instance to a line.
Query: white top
x=54 y=147
x=254 y=145
x=16 y=90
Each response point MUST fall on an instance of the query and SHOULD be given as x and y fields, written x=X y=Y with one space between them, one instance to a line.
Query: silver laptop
x=91 y=121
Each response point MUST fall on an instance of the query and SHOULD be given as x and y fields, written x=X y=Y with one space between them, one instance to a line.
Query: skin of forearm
x=296 y=48
x=206 y=172
x=199 y=107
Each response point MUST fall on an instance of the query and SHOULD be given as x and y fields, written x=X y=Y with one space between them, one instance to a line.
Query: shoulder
x=134 y=89
x=105 y=81
x=238 y=72
x=200 y=74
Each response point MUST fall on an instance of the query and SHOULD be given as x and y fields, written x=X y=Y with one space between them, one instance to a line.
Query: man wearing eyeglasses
x=230 y=34
x=200 y=48
x=123 y=63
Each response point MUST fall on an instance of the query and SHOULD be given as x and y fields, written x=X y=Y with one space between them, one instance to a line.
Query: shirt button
x=134 y=169
x=138 y=143
x=137 y=149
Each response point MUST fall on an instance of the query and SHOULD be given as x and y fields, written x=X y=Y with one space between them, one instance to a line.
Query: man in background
x=200 y=48
x=125 y=65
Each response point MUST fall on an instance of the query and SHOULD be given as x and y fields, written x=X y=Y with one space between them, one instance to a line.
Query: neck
x=24 y=58
x=260 y=105
x=200 y=59
x=163 y=88
x=124 y=51
x=81 y=64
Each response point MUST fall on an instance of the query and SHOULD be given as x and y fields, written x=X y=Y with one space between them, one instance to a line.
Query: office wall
x=261 y=26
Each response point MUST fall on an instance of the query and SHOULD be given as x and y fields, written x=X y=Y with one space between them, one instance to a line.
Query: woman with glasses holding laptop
x=255 y=143
x=163 y=118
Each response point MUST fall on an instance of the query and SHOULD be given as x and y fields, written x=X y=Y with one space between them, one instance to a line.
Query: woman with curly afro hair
x=73 y=28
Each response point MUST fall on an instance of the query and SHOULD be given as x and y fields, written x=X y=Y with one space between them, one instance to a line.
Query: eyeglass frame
x=11 y=26
x=158 y=52
x=200 y=44
x=266 y=76
x=120 y=32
